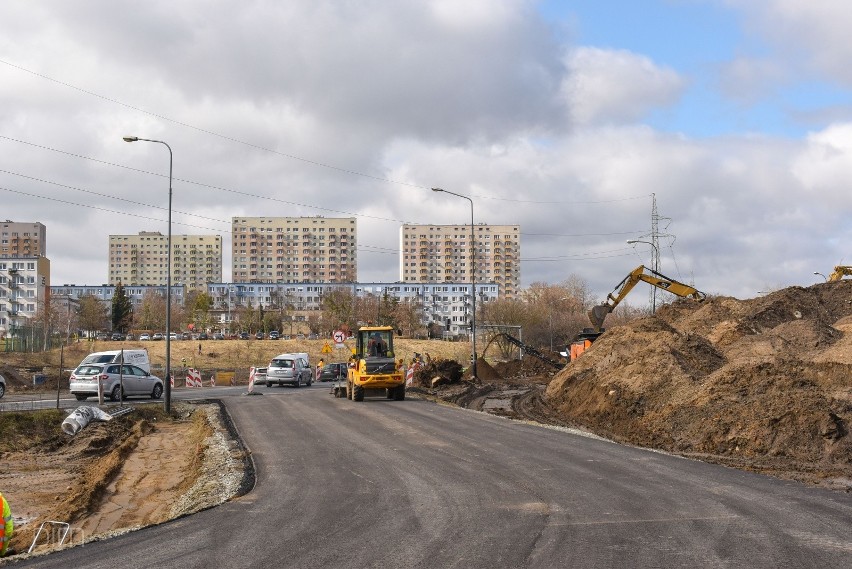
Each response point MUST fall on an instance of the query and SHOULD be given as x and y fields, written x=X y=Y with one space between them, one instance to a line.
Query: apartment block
x=142 y=260
x=294 y=249
x=443 y=254
x=22 y=239
x=24 y=289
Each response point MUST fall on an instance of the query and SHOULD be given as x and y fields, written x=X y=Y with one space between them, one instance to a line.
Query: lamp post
x=825 y=278
x=656 y=255
x=472 y=278
x=168 y=381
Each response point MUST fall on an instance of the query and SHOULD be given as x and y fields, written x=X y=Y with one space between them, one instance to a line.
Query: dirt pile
x=764 y=384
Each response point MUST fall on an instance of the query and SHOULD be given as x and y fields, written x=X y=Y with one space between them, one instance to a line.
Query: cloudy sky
x=564 y=117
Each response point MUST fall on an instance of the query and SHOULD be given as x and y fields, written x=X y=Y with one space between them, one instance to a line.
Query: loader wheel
x=389 y=393
x=399 y=393
x=348 y=391
x=357 y=393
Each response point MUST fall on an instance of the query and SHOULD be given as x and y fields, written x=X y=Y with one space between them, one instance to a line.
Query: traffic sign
x=339 y=336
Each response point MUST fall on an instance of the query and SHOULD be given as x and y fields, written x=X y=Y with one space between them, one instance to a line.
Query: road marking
x=645 y=521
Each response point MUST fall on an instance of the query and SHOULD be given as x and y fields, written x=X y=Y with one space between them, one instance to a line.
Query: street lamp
x=168 y=380
x=655 y=268
x=472 y=277
x=822 y=275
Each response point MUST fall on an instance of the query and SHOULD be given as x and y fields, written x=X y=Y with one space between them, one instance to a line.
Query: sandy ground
x=122 y=474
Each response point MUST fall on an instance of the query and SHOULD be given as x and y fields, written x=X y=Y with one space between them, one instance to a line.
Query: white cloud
x=616 y=86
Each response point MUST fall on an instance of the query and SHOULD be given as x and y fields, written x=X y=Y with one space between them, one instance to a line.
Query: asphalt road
x=413 y=484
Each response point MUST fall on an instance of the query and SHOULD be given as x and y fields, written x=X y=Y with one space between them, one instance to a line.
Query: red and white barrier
x=252 y=373
x=193 y=378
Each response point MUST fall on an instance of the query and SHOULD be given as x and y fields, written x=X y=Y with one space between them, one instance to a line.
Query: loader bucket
x=597 y=315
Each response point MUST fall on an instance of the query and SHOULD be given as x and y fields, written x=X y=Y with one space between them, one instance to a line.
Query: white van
x=139 y=358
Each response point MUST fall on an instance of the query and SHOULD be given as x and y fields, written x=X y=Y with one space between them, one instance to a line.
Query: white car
x=114 y=379
x=144 y=337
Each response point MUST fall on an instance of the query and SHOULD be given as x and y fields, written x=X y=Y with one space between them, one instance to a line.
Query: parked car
x=186 y=336
x=300 y=336
x=157 y=336
x=333 y=372
x=144 y=337
x=2 y=386
x=313 y=336
x=135 y=381
x=290 y=369
x=218 y=336
x=259 y=336
x=174 y=336
x=102 y=336
x=274 y=335
x=244 y=335
x=117 y=337
x=203 y=336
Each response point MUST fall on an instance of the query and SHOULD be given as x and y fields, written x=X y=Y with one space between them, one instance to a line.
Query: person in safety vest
x=6 y=527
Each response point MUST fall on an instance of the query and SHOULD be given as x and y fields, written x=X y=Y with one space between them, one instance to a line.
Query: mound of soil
x=762 y=384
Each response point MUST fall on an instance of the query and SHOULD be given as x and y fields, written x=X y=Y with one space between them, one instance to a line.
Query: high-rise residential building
x=294 y=249
x=22 y=239
x=143 y=259
x=442 y=254
x=24 y=288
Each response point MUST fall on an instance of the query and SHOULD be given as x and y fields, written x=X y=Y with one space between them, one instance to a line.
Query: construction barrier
x=193 y=378
x=252 y=373
x=226 y=378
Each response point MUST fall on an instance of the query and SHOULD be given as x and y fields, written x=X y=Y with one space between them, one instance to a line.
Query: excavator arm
x=839 y=272
x=641 y=273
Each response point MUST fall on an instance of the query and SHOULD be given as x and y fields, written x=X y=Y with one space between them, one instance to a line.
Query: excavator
x=598 y=313
x=839 y=272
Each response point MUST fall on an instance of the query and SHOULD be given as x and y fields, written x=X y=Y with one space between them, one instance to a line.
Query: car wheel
x=2 y=390
x=268 y=384
x=310 y=381
x=299 y=381
x=81 y=397
x=357 y=393
x=158 y=392
x=115 y=394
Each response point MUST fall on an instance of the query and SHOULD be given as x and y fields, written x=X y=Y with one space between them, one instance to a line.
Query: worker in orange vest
x=7 y=527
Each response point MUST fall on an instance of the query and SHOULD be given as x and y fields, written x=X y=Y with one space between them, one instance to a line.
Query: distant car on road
x=292 y=369
x=136 y=381
x=333 y=372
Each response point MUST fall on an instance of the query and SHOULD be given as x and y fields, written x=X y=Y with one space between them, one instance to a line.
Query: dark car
x=117 y=336
x=274 y=335
x=218 y=336
x=333 y=372
x=186 y=336
x=203 y=336
x=244 y=335
x=259 y=335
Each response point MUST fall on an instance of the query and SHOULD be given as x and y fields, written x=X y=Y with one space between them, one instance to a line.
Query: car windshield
x=281 y=363
x=88 y=370
x=101 y=359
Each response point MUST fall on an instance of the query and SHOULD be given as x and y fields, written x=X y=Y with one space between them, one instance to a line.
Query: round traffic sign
x=339 y=336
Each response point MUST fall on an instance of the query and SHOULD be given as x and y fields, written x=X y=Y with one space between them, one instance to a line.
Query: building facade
x=448 y=305
x=442 y=254
x=22 y=239
x=142 y=260
x=294 y=249
x=24 y=289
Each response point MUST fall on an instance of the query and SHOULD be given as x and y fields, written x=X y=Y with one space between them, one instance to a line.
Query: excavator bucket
x=597 y=315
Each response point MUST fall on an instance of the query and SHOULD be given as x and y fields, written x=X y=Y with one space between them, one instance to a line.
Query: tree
x=152 y=313
x=93 y=314
x=122 y=310
x=338 y=308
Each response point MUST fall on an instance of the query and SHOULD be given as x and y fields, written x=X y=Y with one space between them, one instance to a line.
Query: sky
x=572 y=119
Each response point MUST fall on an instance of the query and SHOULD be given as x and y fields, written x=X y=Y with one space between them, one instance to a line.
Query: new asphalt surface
x=414 y=484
